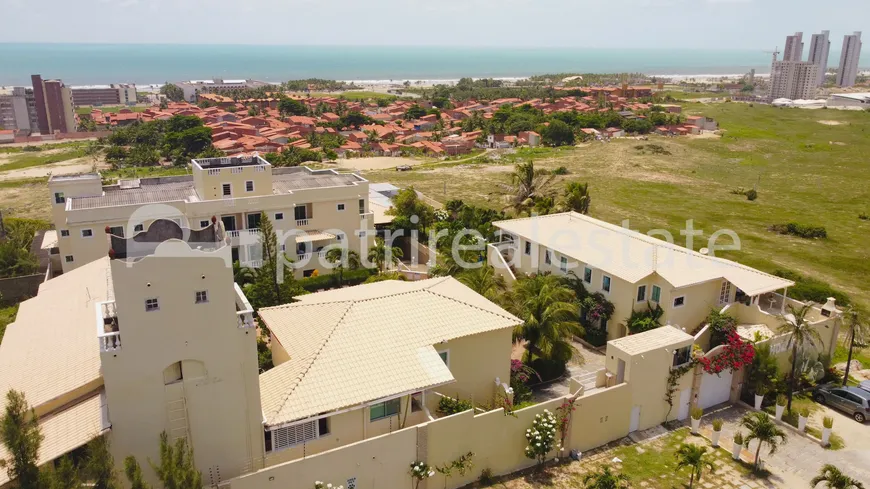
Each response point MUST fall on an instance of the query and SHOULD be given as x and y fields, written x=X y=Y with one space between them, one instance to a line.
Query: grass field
x=681 y=95
x=111 y=109
x=810 y=172
x=27 y=160
x=355 y=95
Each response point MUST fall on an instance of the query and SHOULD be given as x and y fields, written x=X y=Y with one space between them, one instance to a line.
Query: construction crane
x=774 y=53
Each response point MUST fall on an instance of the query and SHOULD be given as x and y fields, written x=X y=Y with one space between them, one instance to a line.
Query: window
x=384 y=409
x=680 y=301
x=682 y=356
x=416 y=402
x=151 y=305
x=64 y=233
x=299 y=212
x=725 y=293
x=605 y=283
x=279 y=216
x=201 y=296
x=322 y=426
x=445 y=356
x=227 y=189
x=563 y=264
x=339 y=236
x=68 y=258
x=139 y=227
x=656 y=293
x=587 y=275
x=641 y=293
x=249 y=186
x=87 y=233
x=339 y=207
x=59 y=198
x=528 y=248
x=289 y=436
x=117 y=231
x=203 y=224
x=307 y=273
x=547 y=257
x=362 y=206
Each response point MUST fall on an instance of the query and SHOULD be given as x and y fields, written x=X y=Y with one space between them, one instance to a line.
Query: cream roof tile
x=359 y=344
x=633 y=256
x=51 y=348
x=65 y=431
x=655 y=339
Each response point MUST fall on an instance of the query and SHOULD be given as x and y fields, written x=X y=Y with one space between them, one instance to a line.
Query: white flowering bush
x=543 y=437
x=420 y=471
x=323 y=485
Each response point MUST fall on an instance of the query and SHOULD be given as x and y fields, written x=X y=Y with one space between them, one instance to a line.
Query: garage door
x=715 y=389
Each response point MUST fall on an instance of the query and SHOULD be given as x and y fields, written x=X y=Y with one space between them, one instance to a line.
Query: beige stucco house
x=323 y=206
x=629 y=268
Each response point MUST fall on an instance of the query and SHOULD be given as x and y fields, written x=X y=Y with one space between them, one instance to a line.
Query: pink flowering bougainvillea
x=736 y=355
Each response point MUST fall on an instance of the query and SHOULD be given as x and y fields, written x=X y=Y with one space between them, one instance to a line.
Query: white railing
x=253 y=264
x=233 y=233
x=260 y=168
x=244 y=311
x=301 y=222
x=214 y=171
x=253 y=231
x=107 y=341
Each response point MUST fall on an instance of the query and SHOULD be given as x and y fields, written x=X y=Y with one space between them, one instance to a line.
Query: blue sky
x=727 y=24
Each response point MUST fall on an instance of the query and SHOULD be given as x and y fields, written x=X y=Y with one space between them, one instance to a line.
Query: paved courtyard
x=800 y=459
x=586 y=361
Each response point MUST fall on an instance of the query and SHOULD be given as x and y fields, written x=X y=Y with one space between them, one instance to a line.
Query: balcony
x=108 y=332
x=244 y=311
x=301 y=223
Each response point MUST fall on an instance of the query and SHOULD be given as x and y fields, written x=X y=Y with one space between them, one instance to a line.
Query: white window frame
x=610 y=282
x=585 y=269
x=155 y=301
x=246 y=185
x=637 y=294
x=64 y=233
x=69 y=259
x=652 y=294
x=59 y=198
x=82 y=232
x=725 y=293
x=674 y=302
x=201 y=299
x=340 y=207
x=563 y=263
x=223 y=185
x=445 y=351
x=279 y=216
x=311 y=434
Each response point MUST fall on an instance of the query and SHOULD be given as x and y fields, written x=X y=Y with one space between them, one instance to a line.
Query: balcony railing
x=308 y=256
x=253 y=231
x=108 y=332
x=301 y=222
x=244 y=311
x=253 y=263
x=234 y=233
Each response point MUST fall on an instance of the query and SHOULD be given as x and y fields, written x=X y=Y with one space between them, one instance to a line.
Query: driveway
x=800 y=459
x=586 y=361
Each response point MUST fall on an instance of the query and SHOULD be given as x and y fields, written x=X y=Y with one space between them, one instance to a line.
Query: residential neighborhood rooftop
x=655 y=339
x=368 y=342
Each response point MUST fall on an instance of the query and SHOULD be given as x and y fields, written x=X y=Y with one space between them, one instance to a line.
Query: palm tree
x=803 y=334
x=605 y=480
x=550 y=317
x=762 y=429
x=693 y=457
x=834 y=479
x=242 y=275
x=485 y=281
x=576 y=197
x=526 y=183
x=343 y=256
x=857 y=334
x=382 y=256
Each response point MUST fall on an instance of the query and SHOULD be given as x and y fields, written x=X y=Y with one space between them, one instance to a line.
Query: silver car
x=853 y=401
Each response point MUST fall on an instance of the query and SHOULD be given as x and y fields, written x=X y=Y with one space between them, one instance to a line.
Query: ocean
x=83 y=64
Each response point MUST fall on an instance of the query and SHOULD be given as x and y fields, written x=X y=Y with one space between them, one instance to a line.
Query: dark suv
x=853 y=401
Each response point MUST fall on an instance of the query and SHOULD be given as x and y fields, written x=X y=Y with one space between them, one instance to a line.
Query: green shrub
x=828 y=422
x=800 y=230
x=448 y=406
x=751 y=194
x=811 y=289
x=595 y=336
x=548 y=369
x=804 y=412
x=738 y=438
x=330 y=280
x=863 y=216
x=696 y=413
x=641 y=321
x=721 y=325
x=717 y=424
x=560 y=171
x=486 y=477
x=781 y=400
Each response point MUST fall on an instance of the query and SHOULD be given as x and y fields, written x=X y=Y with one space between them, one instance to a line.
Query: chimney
x=830 y=308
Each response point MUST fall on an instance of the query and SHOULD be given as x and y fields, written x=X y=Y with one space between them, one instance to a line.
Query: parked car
x=853 y=401
x=865 y=385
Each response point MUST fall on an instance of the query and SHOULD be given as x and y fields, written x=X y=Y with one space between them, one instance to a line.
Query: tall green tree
x=382 y=255
x=65 y=476
x=100 y=465
x=576 y=197
x=485 y=281
x=803 y=335
x=550 y=317
x=857 y=334
x=265 y=289
x=21 y=435
x=289 y=106
x=761 y=429
x=172 y=91
x=343 y=257
x=134 y=474
x=526 y=184
x=176 y=469
x=834 y=478
x=557 y=133
x=695 y=458
x=605 y=479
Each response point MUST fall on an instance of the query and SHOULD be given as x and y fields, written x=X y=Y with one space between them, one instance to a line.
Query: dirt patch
x=76 y=165
x=377 y=163
x=27 y=201
x=830 y=123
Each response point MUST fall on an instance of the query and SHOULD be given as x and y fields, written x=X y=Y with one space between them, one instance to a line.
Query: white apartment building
x=793 y=79
x=323 y=207
x=849 y=57
x=192 y=88
x=18 y=110
x=794 y=47
x=820 y=47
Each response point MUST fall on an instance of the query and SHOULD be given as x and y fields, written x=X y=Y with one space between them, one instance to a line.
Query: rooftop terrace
x=229 y=161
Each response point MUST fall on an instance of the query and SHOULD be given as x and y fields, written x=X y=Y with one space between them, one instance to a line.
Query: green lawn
x=806 y=171
x=109 y=108
x=27 y=160
x=681 y=95
x=7 y=316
